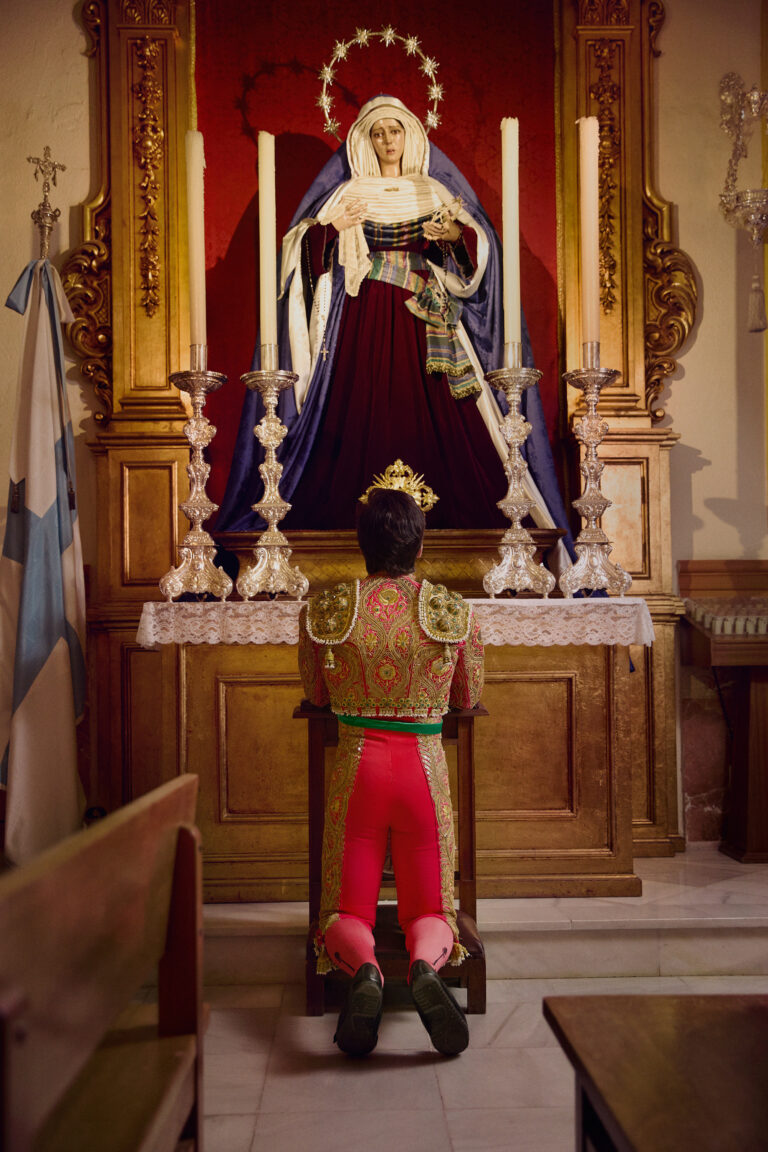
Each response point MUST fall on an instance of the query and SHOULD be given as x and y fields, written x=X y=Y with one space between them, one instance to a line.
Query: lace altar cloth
x=535 y=623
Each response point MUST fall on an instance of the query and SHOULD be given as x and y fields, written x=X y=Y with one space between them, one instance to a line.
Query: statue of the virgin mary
x=390 y=313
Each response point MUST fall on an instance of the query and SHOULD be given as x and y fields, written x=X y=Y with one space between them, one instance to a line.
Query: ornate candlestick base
x=270 y=571
x=517 y=570
x=593 y=569
x=197 y=572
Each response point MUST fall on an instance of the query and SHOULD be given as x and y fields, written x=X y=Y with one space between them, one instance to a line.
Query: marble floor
x=274 y=1080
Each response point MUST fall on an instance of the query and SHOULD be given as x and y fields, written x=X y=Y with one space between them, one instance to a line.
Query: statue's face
x=388 y=139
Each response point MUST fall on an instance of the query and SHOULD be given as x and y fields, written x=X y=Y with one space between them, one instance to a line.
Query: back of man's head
x=390 y=530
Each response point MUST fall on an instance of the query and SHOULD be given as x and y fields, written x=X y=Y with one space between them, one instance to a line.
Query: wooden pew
x=83 y=927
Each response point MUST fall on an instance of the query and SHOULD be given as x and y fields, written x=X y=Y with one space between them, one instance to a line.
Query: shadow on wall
x=684 y=462
x=747 y=512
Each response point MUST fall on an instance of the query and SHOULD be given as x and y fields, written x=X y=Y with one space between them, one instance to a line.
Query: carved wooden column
x=648 y=301
x=127 y=285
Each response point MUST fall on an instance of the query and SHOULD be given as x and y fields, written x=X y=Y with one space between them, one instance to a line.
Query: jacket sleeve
x=469 y=674
x=311 y=657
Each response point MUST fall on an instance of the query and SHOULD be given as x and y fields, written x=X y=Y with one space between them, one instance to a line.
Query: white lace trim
x=250 y=622
x=534 y=623
x=542 y=623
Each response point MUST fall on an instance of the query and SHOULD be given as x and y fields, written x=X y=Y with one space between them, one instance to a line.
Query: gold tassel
x=757 y=321
x=458 y=954
x=329 y=660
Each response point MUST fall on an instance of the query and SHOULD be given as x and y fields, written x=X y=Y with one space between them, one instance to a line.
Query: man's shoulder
x=444 y=615
x=331 y=614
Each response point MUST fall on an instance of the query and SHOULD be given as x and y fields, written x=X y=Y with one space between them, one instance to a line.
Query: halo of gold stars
x=363 y=38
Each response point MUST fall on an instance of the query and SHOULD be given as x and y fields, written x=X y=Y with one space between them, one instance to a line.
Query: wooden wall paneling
x=553 y=818
x=134 y=699
x=553 y=788
x=251 y=757
x=141 y=482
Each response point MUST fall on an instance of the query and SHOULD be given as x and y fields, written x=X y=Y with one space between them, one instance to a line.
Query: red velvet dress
x=384 y=405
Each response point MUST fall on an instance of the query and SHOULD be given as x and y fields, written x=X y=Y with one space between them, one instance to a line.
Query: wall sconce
x=740 y=111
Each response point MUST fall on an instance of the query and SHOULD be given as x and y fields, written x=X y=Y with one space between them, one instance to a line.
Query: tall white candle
x=589 y=218
x=196 y=235
x=267 y=240
x=511 y=229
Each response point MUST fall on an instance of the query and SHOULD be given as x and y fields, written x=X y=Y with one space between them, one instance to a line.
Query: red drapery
x=258 y=67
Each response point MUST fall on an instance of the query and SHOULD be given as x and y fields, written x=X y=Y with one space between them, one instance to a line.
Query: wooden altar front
x=553 y=770
x=153 y=714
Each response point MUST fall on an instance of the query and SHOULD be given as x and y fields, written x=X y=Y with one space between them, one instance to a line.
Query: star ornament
x=387 y=36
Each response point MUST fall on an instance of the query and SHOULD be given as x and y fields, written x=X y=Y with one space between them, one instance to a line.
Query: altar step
x=700 y=914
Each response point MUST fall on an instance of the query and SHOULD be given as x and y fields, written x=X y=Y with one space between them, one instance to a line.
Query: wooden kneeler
x=390 y=940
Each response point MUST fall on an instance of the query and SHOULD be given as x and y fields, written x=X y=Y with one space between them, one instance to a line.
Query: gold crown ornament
x=401 y=478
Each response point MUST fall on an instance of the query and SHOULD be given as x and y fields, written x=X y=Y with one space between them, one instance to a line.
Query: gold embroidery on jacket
x=443 y=615
x=436 y=771
x=340 y=790
x=332 y=614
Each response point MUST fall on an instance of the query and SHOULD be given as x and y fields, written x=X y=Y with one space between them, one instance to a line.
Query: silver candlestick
x=270 y=571
x=197 y=572
x=517 y=570
x=593 y=570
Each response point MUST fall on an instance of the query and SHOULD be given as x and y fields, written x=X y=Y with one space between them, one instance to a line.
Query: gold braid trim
x=436 y=771
x=342 y=783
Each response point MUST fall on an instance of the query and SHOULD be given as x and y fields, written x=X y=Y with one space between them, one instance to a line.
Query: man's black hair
x=390 y=529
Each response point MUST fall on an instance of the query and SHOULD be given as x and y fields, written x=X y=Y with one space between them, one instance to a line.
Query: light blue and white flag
x=42 y=592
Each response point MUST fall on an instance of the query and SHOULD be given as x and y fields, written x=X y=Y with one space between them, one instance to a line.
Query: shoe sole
x=358 y=1033
x=440 y=1014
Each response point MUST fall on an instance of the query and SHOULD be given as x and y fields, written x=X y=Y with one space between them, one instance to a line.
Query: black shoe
x=358 y=1028
x=440 y=1013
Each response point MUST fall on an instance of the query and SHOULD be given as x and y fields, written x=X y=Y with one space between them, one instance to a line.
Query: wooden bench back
x=81 y=929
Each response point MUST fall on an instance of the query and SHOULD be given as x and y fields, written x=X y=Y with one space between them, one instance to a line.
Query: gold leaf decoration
x=148 y=150
x=671 y=299
x=87 y=280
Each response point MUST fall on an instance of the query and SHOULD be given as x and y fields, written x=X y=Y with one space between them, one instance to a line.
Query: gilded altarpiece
x=545 y=824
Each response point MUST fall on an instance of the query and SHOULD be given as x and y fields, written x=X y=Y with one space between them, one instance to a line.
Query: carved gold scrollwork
x=87 y=281
x=607 y=93
x=670 y=309
x=604 y=12
x=148 y=12
x=92 y=18
x=148 y=147
x=656 y=17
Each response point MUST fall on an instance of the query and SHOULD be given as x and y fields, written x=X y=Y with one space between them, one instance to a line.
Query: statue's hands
x=350 y=212
x=443 y=228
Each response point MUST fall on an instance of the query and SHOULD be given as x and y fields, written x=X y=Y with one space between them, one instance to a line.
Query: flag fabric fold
x=42 y=591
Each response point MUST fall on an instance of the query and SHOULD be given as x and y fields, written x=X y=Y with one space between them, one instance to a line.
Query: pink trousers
x=390 y=796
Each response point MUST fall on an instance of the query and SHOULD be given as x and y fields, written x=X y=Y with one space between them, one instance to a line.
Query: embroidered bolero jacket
x=390 y=647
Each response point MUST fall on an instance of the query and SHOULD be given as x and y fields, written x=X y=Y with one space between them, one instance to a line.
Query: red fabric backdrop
x=257 y=68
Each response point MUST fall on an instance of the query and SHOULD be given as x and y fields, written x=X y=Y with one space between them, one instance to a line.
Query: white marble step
x=700 y=914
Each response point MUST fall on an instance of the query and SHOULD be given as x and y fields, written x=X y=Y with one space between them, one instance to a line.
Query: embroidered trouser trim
x=386 y=783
